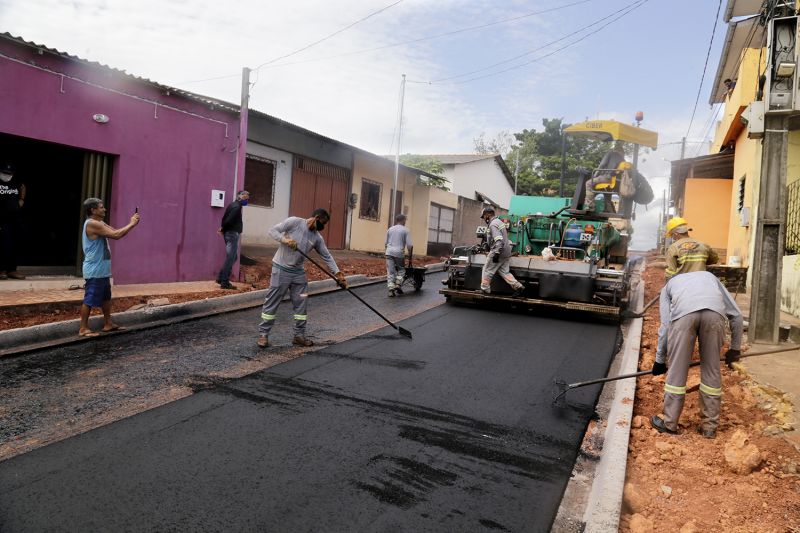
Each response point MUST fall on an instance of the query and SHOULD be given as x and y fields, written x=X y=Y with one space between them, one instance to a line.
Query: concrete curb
x=605 y=499
x=592 y=500
x=20 y=340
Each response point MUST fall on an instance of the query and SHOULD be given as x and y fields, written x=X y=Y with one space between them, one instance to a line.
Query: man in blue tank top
x=97 y=264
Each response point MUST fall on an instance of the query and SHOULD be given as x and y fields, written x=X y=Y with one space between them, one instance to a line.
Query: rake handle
x=348 y=290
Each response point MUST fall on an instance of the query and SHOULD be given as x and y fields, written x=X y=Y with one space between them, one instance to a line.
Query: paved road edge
x=21 y=340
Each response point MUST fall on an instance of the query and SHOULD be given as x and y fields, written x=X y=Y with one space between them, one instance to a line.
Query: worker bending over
x=289 y=275
x=398 y=238
x=694 y=306
x=686 y=254
x=499 y=257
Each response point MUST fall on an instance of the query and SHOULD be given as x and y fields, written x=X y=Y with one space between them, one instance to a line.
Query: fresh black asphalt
x=453 y=431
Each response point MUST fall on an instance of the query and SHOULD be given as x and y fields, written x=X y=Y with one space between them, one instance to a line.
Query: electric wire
x=705 y=66
x=401 y=43
x=625 y=10
x=337 y=32
x=436 y=36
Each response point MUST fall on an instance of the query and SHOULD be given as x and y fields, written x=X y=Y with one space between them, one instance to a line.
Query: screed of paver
x=455 y=430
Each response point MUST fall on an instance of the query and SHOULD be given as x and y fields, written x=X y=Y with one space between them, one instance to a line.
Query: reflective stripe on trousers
x=708 y=328
x=281 y=282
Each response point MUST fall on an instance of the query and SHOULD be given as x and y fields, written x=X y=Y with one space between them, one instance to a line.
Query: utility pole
x=241 y=147
x=770 y=226
x=563 y=162
x=516 y=170
x=397 y=153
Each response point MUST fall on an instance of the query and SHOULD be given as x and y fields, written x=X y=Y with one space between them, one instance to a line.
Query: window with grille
x=370 y=207
x=792 y=243
x=440 y=224
x=259 y=180
x=741 y=193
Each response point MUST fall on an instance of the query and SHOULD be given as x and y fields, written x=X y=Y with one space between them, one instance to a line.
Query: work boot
x=302 y=341
x=391 y=293
x=486 y=291
x=263 y=342
x=707 y=433
x=15 y=275
x=226 y=285
x=398 y=290
x=518 y=291
x=658 y=424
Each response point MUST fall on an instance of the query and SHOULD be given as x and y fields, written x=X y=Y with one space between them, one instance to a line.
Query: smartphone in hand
x=137 y=209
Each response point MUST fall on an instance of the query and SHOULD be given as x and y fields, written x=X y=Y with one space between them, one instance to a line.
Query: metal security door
x=317 y=184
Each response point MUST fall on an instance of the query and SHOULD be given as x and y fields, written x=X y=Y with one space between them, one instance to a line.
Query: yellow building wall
x=707 y=202
x=746 y=169
x=742 y=94
x=370 y=235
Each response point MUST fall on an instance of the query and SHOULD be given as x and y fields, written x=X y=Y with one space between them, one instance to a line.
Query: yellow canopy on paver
x=611 y=130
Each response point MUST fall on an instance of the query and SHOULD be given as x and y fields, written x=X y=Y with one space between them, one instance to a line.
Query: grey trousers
x=280 y=282
x=708 y=328
x=395 y=271
x=490 y=268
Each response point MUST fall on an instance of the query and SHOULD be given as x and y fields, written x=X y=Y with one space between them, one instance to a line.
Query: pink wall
x=166 y=165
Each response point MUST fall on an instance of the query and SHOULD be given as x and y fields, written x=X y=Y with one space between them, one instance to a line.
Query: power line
x=436 y=36
x=705 y=66
x=337 y=32
x=529 y=52
x=708 y=129
x=401 y=43
x=306 y=47
x=627 y=10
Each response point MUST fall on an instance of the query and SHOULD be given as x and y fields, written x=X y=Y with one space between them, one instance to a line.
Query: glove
x=341 y=279
x=659 y=368
x=732 y=356
x=291 y=243
x=496 y=258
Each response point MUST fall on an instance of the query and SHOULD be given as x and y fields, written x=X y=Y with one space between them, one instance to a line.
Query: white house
x=478 y=176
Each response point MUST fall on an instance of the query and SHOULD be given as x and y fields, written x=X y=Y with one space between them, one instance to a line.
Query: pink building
x=74 y=129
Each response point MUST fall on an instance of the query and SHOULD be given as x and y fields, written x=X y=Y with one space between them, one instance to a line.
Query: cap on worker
x=676 y=225
x=7 y=168
x=487 y=209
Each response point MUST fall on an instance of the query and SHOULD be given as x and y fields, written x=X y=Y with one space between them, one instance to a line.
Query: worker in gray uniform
x=289 y=275
x=499 y=257
x=398 y=238
x=694 y=306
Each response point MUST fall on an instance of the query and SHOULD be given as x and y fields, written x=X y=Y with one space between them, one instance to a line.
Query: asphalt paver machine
x=564 y=255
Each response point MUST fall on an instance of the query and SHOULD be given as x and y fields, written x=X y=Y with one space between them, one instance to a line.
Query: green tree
x=430 y=165
x=539 y=170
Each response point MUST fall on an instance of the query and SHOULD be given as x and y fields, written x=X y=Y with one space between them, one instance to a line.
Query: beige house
x=431 y=212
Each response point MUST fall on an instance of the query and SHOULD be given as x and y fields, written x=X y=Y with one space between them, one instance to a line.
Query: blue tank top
x=96 y=256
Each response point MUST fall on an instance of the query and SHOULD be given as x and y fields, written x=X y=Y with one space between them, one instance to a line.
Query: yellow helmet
x=673 y=223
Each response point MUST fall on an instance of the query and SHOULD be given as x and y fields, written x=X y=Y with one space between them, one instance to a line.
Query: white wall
x=484 y=176
x=257 y=220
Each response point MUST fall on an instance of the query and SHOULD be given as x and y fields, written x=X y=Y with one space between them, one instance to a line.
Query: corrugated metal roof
x=95 y=64
x=197 y=97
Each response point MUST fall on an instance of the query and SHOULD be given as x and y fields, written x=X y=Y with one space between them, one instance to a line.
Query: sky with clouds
x=473 y=66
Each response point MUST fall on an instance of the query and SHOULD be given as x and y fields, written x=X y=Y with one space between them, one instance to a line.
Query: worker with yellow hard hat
x=686 y=254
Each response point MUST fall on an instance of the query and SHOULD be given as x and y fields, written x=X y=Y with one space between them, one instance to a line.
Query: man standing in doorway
x=230 y=229
x=499 y=256
x=295 y=234
x=97 y=264
x=398 y=238
x=12 y=200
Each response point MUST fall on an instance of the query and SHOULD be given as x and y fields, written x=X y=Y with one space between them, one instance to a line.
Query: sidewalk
x=39 y=291
x=777 y=373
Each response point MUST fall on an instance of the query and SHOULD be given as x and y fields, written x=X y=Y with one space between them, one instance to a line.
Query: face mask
x=5 y=178
x=320 y=225
x=243 y=202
